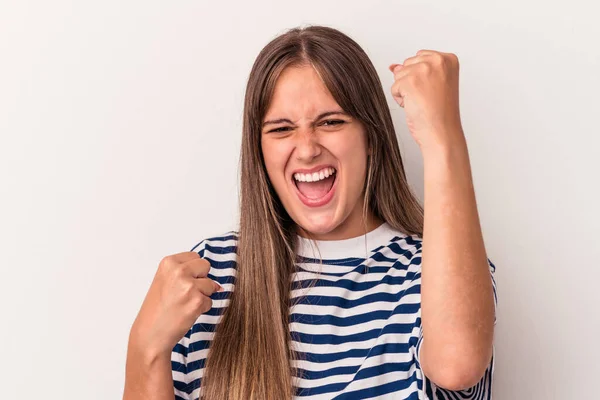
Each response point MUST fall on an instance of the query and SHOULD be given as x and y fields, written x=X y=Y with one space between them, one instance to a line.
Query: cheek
x=352 y=153
x=356 y=168
x=275 y=156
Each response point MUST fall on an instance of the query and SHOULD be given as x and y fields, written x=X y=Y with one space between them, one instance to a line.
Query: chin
x=318 y=224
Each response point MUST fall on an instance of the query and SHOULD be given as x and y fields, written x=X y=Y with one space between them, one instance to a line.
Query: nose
x=307 y=145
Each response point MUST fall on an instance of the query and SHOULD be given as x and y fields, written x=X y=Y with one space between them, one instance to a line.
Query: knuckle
x=207 y=304
x=397 y=92
x=196 y=301
x=202 y=267
x=205 y=263
x=165 y=262
x=178 y=271
x=451 y=61
x=188 y=289
x=201 y=303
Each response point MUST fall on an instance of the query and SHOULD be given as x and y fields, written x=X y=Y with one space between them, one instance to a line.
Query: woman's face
x=315 y=156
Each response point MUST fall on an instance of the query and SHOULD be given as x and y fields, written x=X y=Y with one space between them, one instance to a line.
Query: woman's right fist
x=178 y=295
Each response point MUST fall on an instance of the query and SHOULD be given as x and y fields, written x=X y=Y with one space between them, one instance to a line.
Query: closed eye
x=280 y=129
x=329 y=122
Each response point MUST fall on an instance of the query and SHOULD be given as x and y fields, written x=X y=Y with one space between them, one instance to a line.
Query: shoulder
x=219 y=250
x=220 y=244
x=406 y=247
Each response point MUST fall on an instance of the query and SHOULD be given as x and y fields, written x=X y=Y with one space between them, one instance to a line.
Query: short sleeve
x=480 y=391
x=492 y=272
x=179 y=369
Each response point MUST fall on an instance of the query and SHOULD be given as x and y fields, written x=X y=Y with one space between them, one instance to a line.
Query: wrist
x=145 y=351
x=453 y=147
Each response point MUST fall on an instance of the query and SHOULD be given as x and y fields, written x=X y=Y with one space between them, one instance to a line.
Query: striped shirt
x=358 y=328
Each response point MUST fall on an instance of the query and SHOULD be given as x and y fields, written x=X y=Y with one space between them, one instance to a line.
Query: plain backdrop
x=120 y=129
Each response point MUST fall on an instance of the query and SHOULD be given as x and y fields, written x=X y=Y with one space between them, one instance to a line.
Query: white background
x=120 y=129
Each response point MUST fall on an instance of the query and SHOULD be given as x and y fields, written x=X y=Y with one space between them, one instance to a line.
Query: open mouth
x=315 y=189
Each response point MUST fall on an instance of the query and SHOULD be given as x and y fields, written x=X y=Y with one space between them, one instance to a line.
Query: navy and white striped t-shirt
x=358 y=328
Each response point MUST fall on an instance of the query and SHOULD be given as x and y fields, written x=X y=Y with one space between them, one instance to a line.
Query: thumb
x=393 y=66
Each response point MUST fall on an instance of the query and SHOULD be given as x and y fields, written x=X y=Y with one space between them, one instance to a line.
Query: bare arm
x=457 y=294
x=147 y=375
x=179 y=294
x=457 y=303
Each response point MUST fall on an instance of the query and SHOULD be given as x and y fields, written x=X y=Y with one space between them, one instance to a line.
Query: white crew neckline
x=357 y=247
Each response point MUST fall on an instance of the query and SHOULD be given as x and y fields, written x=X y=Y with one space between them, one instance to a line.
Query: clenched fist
x=426 y=85
x=178 y=295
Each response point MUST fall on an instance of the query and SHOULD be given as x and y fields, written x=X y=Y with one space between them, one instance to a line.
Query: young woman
x=337 y=284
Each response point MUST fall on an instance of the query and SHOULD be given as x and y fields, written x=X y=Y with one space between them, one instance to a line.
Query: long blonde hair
x=250 y=355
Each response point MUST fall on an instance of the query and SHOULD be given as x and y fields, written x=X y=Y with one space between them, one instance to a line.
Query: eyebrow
x=322 y=115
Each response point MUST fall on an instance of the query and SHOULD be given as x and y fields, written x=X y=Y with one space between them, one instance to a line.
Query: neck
x=351 y=227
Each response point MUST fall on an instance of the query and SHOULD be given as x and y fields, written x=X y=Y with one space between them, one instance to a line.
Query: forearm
x=457 y=295
x=147 y=376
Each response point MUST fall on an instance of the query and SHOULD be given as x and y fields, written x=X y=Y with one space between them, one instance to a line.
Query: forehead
x=299 y=93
